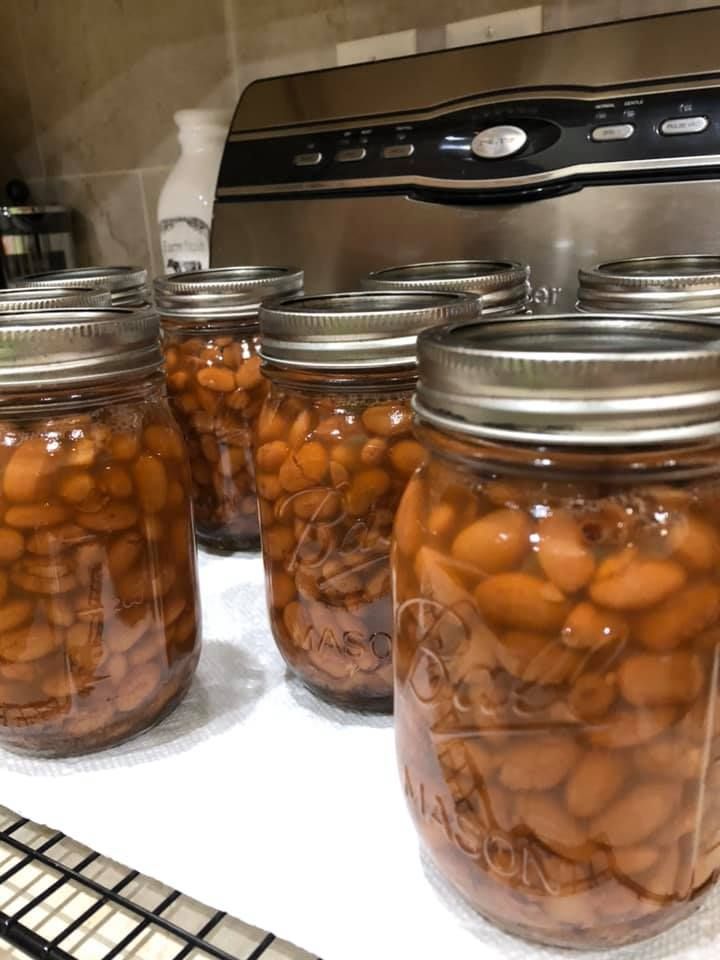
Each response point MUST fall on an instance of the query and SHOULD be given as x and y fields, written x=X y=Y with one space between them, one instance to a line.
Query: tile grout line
x=26 y=78
x=231 y=46
x=146 y=218
x=164 y=167
x=544 y=18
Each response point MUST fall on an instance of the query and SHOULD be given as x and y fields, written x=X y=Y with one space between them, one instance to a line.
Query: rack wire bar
x=60 y=900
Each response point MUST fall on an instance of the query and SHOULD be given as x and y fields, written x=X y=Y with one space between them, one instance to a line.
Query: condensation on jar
x=334 y=453
x=127 y=286
x=210 y=339
x=556 y=566
x=503 y=286
x=683 y=285
x=99 y=614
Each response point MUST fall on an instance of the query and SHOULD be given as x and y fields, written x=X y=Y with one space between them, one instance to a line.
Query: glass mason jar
x=556 y=567
x=210 y=338
x=687 y=286
x=128 y=286
x=99 y=616
x=22 y=299
x=502 y=285
x=334 y=454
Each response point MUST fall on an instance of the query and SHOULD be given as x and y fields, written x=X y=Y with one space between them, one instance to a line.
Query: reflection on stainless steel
x=342 y=239
x=541 y=92
x=630 y=52
x=556 y=203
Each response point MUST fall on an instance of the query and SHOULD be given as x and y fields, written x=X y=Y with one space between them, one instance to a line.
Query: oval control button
x=497 y=142
x=398 y=150
x=675 y=126
x=351 y=154
x=307 y=159
x=612 y=131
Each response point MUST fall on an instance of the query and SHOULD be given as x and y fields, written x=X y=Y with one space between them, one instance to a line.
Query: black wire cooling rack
x=60 y=900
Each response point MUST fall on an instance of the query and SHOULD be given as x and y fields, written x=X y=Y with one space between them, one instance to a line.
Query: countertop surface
x=257 y=799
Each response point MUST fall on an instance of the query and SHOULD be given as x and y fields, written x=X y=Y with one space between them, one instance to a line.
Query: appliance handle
x=557 y=188
x=528 y=193
x=484 y=198
x=451 y=198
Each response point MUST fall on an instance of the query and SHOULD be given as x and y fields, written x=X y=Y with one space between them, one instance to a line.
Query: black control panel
x=537 y=140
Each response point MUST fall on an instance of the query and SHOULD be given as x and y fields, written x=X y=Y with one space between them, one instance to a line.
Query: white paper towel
x=258 y=799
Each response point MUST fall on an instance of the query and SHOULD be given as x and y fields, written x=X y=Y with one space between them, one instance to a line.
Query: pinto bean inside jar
x=210 y=339
x=334 y=454
x=331 y=470
x=99 y=617
x=556 y=664
x=217 y=414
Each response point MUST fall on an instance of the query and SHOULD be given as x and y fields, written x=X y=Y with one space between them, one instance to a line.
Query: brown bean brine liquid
x=216 y=390
x=335 y=452
x=330 y=473
x=556 y=683
x=98 y=607
x=210 y=339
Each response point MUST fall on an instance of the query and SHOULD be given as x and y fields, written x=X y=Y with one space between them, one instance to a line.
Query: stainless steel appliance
x=32 y=237
x=558 y=150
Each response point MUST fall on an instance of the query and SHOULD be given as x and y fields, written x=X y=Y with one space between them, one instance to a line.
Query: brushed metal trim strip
x=580 y=169
x=455 y=106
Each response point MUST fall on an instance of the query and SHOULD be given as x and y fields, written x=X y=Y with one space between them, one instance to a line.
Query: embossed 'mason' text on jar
x=334 y=453
x=556 y=565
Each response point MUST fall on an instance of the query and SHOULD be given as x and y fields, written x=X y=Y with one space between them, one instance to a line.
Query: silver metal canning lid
x=359 y=331
x=223 y=293
x=503 y=284
x=76 y=346
x=573 y=379
x=127 y=285
x=20 y=299
x=680 y=285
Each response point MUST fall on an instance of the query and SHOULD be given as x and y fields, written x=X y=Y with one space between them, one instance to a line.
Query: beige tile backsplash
x=108 y=74
x=90 y=86
x=19 y=154
x=109 y=219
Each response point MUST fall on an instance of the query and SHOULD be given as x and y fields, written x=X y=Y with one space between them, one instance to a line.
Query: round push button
x=497 y=142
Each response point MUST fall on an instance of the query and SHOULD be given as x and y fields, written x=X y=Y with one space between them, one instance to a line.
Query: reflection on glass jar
x=99 y=615
x=557 y=624
x=328 y=494
x=334 y=454
x=210 y=339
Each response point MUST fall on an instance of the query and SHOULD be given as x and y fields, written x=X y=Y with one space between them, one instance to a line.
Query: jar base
x=349 y=700
x=112 y=736
x=598 y=937
x=224 y=545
